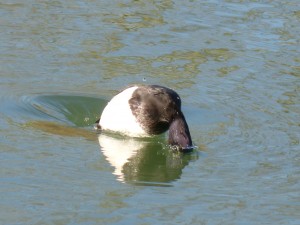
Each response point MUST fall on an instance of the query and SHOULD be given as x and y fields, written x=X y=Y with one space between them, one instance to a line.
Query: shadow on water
x=137 y=161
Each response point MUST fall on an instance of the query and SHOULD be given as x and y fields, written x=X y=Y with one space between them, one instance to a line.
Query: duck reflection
x=143 y=161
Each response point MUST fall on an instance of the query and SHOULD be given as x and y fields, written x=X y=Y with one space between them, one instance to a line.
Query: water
x=235 y=65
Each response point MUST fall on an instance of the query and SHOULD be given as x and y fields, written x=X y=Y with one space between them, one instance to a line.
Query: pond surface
x=236 y=66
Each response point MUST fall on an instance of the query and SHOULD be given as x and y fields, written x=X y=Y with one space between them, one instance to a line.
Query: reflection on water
x=175 y=65
x=143 y=161
x=139 y=14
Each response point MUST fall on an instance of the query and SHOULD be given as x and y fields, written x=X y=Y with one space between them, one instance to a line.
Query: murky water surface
x=236 y=65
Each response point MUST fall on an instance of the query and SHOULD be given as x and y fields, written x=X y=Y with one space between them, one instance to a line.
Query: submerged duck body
x=146 y=110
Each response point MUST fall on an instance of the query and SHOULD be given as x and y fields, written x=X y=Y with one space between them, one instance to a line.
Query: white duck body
x=118 y=117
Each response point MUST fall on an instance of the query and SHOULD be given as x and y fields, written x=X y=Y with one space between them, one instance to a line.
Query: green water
x=235 y=65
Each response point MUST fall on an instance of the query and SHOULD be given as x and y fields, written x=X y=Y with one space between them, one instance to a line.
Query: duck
x=145 y=111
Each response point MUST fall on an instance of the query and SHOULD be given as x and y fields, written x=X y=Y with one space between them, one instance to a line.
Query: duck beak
x=179 y=134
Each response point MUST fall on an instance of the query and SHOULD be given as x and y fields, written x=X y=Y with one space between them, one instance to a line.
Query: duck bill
x=179 y=134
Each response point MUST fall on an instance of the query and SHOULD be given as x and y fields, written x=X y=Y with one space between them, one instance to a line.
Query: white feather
x=118 y=152
x=117 y=116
